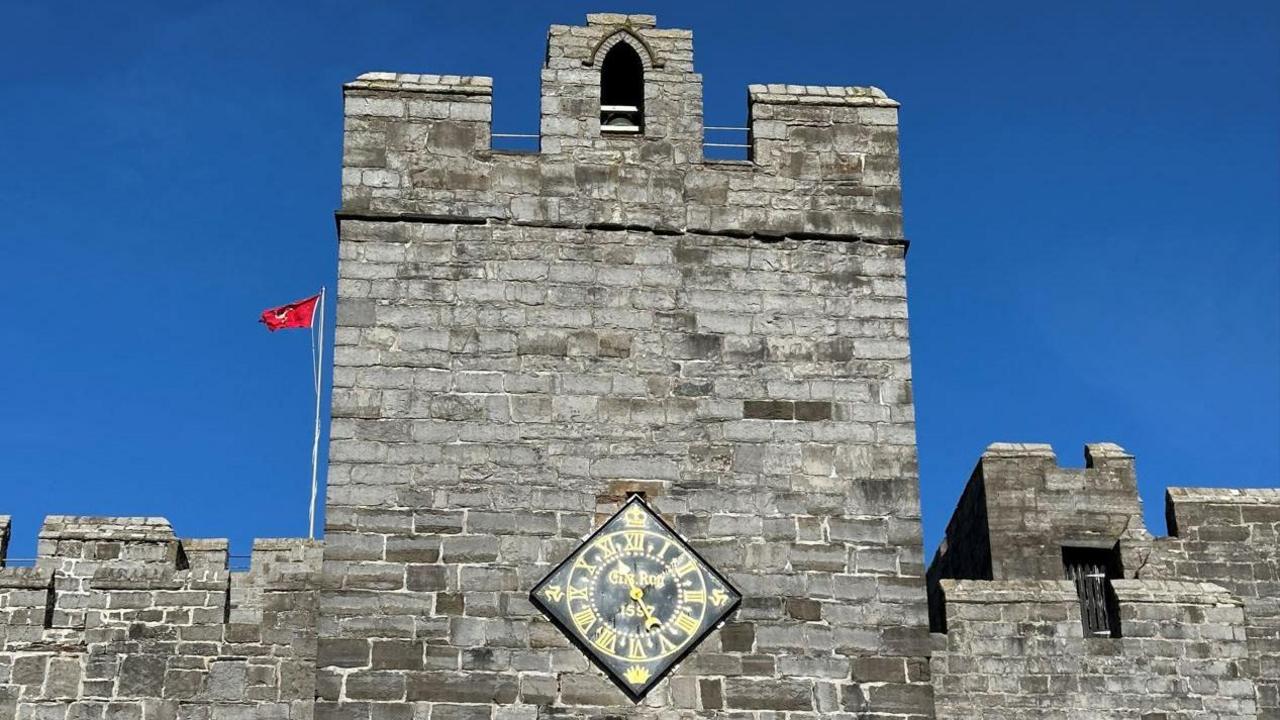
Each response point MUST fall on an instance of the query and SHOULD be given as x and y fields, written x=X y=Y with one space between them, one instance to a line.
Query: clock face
x=635 y=598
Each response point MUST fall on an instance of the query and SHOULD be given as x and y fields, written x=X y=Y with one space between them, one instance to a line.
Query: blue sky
x=1092 y=192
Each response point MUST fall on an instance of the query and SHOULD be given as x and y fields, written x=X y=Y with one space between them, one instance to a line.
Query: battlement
x=83 y=564
x=1020 y=509
x=1231 y=514
x=1016 y=647
x=822 y=160
x=1210 y=590
x=121 y=613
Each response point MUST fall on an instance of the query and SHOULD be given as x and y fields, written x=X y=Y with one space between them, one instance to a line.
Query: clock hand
x=650 y=621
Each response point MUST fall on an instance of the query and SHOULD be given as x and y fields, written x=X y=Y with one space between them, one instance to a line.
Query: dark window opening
x=622 y=91
x=1092 y=570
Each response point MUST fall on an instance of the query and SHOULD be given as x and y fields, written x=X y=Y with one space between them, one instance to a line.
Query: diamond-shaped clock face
x=635 y=598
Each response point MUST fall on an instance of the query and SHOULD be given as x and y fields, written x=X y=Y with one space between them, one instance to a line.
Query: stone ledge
x=1008 y=591
x=365 y=215
x=73 y=527
x=637 y=21
x=1173 y=592
x=284 y=544
x=159 y=579
x=853 y=96
x=1105 y=450
x=1226 y=496
x=412 y=82
x=205 y=545
x=1007 y=449
x=25 y=577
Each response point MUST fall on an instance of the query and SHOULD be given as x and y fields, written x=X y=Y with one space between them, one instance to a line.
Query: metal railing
x=520 y=140
x=725 y=128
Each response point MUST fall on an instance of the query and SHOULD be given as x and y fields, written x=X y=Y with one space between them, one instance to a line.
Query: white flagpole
x=318 y=376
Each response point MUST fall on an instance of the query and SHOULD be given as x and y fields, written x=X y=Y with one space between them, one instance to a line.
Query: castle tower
x=623 y=432
x=526 y=339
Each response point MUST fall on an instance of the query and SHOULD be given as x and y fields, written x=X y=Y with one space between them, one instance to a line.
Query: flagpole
x=318 y=376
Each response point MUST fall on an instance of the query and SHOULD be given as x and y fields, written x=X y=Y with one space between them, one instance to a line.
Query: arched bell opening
x=622 y=91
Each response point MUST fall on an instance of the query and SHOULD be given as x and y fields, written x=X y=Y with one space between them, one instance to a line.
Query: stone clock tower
x=526 y=340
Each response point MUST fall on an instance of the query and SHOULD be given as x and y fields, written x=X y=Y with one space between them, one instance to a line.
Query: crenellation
x=206 y=553
x=119 y=616
x=825 y=158
x=525 y=340
x=1195 y=634
x=1015 y=647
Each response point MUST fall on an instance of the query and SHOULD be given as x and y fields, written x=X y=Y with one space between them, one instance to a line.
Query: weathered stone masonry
x=524 y=338
x=1198 y=611
x=118 y=619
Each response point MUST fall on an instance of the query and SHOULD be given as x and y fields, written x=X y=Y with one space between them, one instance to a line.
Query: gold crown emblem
x=636 y=674
x=635 y=517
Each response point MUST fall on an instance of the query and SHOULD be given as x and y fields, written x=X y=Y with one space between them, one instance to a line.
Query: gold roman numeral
x=582 y=564
x=635 y=541
x=666 y=645
x=697 y=596
x=686 y=623
x=687 y=566
x=606 y=547
x=606 y=639
x=584 y=619
x=577 y=593
x=635 y=651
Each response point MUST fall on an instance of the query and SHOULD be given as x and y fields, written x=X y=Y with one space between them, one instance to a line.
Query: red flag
x=294 y=315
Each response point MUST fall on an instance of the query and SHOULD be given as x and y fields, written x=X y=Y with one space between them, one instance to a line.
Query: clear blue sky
x=1092 y=193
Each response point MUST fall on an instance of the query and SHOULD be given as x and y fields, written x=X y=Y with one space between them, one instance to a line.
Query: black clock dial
x=635 y=597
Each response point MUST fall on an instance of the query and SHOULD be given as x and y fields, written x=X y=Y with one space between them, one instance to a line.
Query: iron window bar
x=1092 y=570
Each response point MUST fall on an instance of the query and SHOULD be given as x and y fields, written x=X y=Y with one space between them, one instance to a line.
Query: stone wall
x=1014 y=649
x=824 y=159
x=1232 y=537
x=523 y=338
x=1020 y=509
x=1199 y=610
x=117 y=620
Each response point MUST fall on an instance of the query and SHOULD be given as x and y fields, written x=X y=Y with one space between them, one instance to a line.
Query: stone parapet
x=824 y=160
x=820 y=95
x=416 y=83
x=1177 y=592
x=1016 y=649
x=120 y=617
x=1020 y=509
x=1211 y=589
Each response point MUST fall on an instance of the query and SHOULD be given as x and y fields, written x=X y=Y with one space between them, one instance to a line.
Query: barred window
x=1092 y=570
